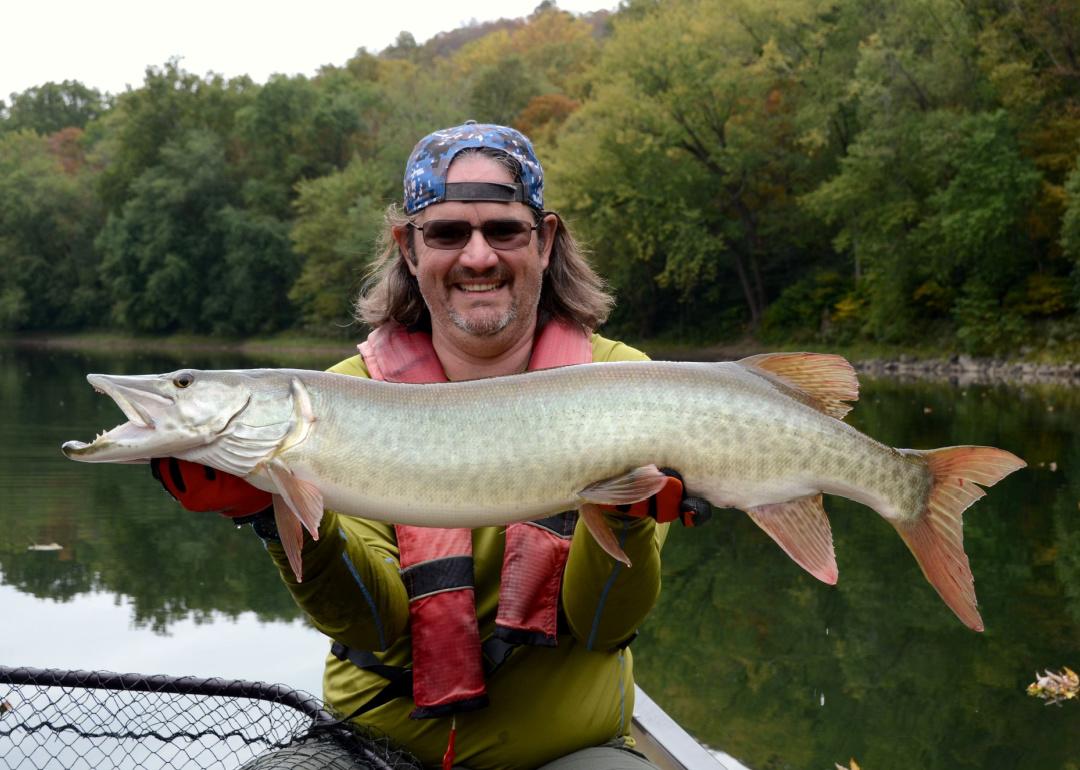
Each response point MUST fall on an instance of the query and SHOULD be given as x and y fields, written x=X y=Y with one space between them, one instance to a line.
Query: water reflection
x=94 y=631
x=751 y=654
x=137 y=583
x=755 y=656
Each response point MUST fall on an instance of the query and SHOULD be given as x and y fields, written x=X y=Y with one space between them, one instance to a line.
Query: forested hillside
x=796 y=170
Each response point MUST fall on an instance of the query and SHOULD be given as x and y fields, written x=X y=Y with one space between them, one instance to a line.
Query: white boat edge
x=667 y=744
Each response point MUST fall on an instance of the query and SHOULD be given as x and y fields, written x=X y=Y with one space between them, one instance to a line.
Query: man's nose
x=477 y=254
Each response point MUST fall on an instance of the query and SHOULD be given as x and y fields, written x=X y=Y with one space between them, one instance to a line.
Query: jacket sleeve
x=603 y=600
x=352 y=590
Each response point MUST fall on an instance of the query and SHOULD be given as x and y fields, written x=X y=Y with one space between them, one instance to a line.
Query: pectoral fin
x=593 y=517
x=630 y=487
x=637 y=484
x=290 y=534
x=303 y=498
x=802 y=529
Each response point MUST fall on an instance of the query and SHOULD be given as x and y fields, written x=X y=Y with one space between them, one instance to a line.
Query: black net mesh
x=68 y=720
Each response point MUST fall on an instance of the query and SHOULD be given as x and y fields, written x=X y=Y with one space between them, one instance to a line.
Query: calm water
x=752 y=655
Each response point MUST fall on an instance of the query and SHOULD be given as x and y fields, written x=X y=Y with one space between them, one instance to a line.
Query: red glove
x=669 y=504
x=201 y=488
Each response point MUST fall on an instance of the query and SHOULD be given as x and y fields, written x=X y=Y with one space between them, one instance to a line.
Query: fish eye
x=183 y=379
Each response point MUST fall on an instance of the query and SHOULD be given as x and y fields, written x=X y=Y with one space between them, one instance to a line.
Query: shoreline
x=966 y=370
x=955 y=368
x=958 y=369
x=288 y=347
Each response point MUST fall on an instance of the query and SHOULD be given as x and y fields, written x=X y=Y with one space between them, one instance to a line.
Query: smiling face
x=477 y=294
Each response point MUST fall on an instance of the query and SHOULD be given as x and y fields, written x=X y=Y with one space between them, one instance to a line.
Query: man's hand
x=201 y=488
x=669 y=504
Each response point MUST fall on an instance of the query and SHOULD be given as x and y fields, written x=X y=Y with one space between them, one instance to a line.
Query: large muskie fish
x=763 y=434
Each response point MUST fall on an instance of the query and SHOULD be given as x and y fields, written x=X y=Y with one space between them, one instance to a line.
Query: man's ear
x=402 y=237
x=550 y=227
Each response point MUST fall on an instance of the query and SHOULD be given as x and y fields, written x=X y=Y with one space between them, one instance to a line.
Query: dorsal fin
x=821 y=380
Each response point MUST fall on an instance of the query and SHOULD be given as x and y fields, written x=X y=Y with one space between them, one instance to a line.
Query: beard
x=488 y=324
x=492 y=322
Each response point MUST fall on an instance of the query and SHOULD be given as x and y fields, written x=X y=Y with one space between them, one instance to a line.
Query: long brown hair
x=571 y=291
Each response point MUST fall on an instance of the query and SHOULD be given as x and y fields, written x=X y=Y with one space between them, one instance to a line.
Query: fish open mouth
x=132 y=409
x=136 y=405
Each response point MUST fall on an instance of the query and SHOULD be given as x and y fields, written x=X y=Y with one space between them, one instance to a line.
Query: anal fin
x=802 y=529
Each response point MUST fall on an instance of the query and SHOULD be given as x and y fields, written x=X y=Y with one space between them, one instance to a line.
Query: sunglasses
x=455 y=233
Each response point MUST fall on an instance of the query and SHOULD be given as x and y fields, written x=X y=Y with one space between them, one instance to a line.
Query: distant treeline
x=879 y=170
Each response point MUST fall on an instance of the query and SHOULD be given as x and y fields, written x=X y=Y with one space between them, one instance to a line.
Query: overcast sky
x=108 y=44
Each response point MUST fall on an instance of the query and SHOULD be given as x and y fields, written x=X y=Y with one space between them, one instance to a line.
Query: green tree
x=48 y=218
x=1028 y=50
x=338 y=218
x=687 y=160
x=171 y=101
x=294 y=129
x=930 y=197
x=160 y=251
x=501 y=91
x=555 y=50
x=251 y=281
x=52 y=106
x=1070 y=227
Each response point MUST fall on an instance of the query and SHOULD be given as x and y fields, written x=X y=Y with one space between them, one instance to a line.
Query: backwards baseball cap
x=425 y=173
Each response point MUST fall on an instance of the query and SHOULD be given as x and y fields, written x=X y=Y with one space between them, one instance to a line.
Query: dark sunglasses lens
x=447 y=234
x=506 y=233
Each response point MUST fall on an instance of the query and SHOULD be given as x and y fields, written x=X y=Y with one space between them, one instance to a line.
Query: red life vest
x=436 y=564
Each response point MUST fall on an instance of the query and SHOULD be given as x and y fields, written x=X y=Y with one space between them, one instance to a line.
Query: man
x=506 y=646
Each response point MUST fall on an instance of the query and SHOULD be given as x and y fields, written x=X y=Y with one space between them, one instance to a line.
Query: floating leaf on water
x=45 y=547
x=1055 y=686
x=852 y=766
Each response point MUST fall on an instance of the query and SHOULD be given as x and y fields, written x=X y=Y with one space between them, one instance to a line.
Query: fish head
x=178 y=414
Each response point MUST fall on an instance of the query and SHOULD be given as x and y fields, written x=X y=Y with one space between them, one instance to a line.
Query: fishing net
x=53 y=719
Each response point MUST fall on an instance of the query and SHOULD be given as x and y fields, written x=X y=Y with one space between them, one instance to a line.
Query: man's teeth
x=478 y=286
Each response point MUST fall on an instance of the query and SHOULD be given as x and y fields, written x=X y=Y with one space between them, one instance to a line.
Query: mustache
x=496 y=274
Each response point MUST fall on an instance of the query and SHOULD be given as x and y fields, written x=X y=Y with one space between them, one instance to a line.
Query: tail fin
x=936 y=535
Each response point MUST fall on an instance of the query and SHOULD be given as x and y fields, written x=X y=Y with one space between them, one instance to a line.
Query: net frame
x=73 y=719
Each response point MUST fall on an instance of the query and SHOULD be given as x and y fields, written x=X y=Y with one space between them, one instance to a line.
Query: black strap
x=366 y=660
x=398 y=686
x=561 y=524
x=484 y=191
x=496 y=651
x=430 y=577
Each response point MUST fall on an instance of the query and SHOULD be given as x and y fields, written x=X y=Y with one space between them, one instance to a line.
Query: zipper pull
x=448 y=757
